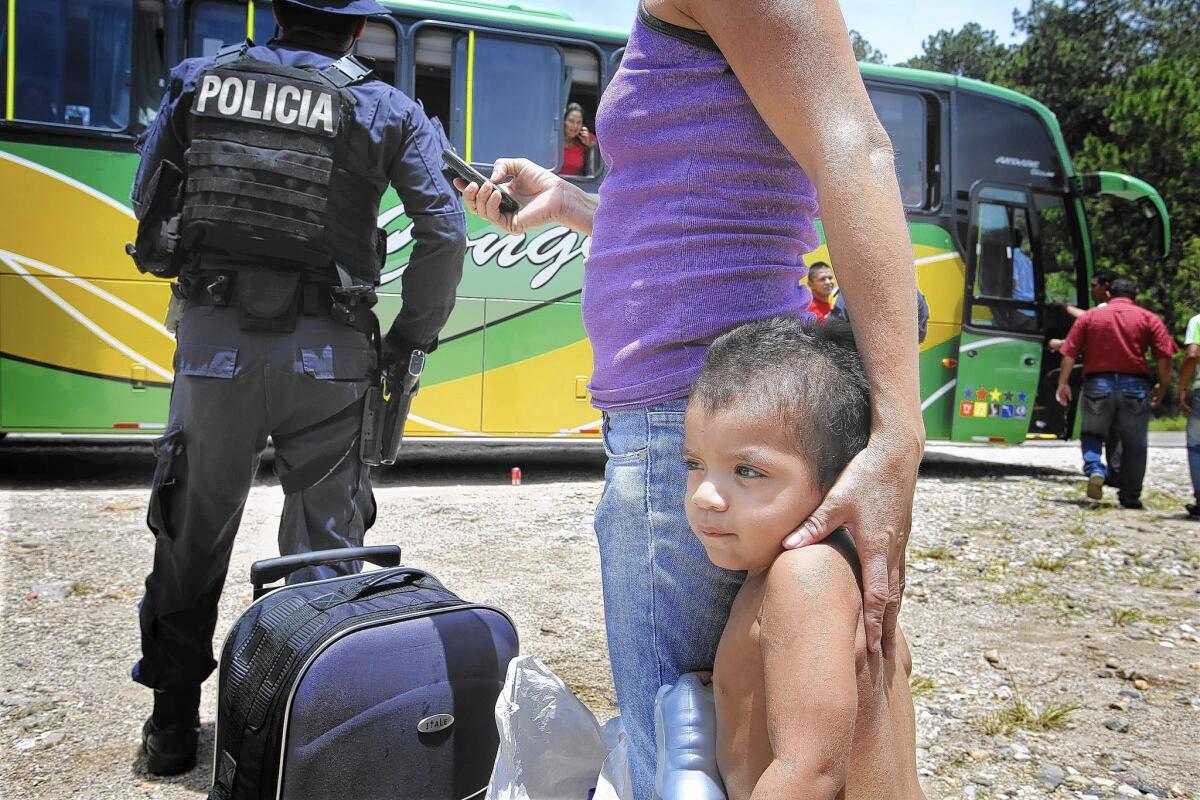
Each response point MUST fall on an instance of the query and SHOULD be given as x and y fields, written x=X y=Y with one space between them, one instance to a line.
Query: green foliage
x=1123 y=78
x=864 y=51
x=972 y=52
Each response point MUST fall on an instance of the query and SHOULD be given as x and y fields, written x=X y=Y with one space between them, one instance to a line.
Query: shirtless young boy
x=803 y=710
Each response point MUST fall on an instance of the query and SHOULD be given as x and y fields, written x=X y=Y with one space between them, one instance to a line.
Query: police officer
x=284 y=152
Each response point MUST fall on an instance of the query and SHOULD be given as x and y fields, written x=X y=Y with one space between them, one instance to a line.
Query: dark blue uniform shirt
x=393 y=142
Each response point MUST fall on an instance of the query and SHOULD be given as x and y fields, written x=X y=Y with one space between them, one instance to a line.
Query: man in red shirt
x=1116 y=388
x=820 y=283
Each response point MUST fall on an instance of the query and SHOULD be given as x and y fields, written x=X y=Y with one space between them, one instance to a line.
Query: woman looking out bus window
x=578 y=143
x=724 y=129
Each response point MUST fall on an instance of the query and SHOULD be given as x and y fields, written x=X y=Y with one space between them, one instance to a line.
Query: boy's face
x=820 y=282
x=747 y=487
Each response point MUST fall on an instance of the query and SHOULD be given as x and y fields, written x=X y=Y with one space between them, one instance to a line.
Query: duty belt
x=219 y=289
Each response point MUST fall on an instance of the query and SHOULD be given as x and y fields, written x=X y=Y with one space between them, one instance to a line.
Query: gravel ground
x=1055 y=639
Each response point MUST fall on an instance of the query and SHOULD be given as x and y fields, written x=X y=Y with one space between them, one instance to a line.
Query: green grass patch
x=1160 y=424
x=1024 y=594
x=1155 y=580
x=1125 y=616
x=1019 y=714
x=1099 y=541
x=939 y=553
x=1163 y=501
x=1049 y=564
x=919 y=684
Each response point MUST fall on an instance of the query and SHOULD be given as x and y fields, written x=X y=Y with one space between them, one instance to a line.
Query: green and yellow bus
x=987 y=184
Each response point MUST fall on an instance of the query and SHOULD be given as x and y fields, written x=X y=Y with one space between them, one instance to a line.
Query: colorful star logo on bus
x=1022 y=397
x=995 y=395
x=981 y=394
x=968 y=394
x=1008 y=396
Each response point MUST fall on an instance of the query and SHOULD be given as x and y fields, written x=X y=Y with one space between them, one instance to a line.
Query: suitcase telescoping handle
x=273 y=569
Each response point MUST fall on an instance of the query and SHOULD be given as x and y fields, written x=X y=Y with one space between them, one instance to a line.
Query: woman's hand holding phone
x=543 y=198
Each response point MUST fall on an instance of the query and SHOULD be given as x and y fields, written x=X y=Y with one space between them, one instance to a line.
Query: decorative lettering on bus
x=551 y=249
x=1034 y=167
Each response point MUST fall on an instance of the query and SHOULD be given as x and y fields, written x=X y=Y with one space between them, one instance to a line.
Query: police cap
x=359 y=8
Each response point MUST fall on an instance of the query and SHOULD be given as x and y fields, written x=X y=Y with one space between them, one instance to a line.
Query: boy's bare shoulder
x=825 y=572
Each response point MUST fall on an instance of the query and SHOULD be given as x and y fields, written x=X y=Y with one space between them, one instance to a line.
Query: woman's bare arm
x=795 y=61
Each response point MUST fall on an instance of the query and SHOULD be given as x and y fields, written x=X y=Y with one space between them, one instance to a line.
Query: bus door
x=1063 y=268
x=1000 y=349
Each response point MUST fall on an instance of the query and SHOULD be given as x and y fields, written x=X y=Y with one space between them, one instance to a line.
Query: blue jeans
x=1121 y=402
x=1193 y=443
x=665 y=603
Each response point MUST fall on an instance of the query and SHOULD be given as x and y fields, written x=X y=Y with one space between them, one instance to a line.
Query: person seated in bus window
x=821 y=285
x=1022 y=266
x=760 y=457
x=578 y=144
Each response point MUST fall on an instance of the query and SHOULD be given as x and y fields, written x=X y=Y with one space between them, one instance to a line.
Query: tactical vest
x=267 y=173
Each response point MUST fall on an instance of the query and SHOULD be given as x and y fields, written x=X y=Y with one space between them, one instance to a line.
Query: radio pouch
x=268 y=299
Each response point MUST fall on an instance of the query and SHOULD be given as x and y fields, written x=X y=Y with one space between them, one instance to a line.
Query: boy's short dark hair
x=807 y=376
x=336 y=27
x=1123 y=287
x=819 y=265
x=1105 y=277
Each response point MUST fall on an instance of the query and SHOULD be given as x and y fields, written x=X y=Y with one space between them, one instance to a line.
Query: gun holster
x=156 y=247
x=385 y=410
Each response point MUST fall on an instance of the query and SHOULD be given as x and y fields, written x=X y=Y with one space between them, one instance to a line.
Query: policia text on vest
x=226 y=95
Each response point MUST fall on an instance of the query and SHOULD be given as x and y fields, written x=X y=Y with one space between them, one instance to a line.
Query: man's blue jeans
x=1193 y=443
x=1121 y=401
x=665 y=603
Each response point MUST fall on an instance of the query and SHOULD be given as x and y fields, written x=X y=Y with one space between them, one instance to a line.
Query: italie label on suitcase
x=377 y=685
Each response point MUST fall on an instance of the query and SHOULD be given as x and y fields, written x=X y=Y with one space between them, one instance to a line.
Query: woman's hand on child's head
x=873 y=500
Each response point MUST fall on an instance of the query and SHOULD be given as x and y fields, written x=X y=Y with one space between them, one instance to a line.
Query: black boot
x=171 y=735
x=170 y=750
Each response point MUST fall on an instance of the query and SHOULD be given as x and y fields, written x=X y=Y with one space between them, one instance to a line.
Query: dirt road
x=1055 y=639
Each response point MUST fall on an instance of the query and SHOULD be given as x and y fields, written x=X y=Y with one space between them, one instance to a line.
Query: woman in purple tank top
x=724 y=128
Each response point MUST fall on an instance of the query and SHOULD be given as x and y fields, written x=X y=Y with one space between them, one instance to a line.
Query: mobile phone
x=466 y=172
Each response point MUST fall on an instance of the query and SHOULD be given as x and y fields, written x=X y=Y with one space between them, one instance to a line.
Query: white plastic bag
x=551 y=747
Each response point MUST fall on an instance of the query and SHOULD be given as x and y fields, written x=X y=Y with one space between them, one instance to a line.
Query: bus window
x=583 y=88
x=508 y=99
x=73 y=62
x=216 y=23
x=378 y=43
x=431 y=74
x=149 y=68
x=905 y=118
x=1004 y=267
x=1059 y=264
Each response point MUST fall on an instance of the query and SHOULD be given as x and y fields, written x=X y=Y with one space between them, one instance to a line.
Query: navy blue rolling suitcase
x=376 y=685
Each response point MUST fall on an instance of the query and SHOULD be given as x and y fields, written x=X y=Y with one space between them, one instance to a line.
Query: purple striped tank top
x=703 y=218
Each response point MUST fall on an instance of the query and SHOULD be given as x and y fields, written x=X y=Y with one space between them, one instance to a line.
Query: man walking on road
x=1114 y=340
x=1189 y=401
x=279 y=253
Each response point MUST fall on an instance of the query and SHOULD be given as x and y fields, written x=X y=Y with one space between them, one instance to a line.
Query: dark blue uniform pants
x=232 y=390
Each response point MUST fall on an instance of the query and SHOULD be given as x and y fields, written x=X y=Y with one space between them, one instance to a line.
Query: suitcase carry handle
x=273 y=569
